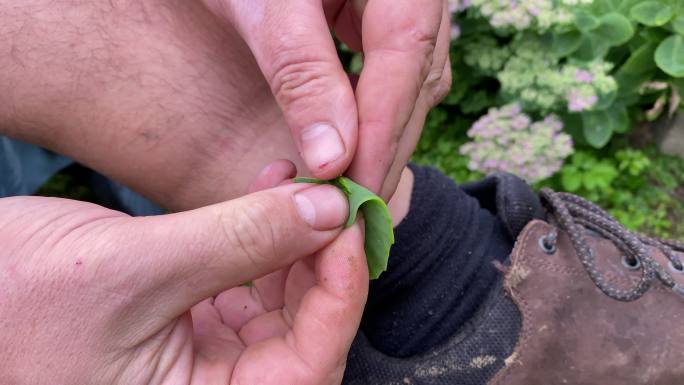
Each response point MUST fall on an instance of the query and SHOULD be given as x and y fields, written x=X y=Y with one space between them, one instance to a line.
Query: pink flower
x=583 y=76
x=455 y=31
x=578 y=102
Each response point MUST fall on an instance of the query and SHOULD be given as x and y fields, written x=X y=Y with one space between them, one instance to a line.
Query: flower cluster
x=535 y=76
x=484 y=53
x=506 y=139
x=524 y=14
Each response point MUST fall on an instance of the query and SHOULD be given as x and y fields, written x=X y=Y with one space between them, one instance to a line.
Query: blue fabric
x=25 y=167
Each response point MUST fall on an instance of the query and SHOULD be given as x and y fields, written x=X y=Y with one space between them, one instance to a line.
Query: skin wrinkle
x=206 y=121
x=117 y=90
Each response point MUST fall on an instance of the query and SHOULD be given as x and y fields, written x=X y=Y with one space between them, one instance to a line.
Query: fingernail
x=321 y=145
x=323 y=207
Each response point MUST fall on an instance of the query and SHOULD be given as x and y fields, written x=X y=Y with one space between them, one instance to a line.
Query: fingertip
x=323 y=207
x=274 y=174
x=327 y=150
x=342 y=269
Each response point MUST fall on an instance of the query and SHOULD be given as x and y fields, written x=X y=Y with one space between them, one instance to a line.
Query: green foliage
x=670 y=56
x=589 y=58
x=69 y=183
x=603 y=67
x=599 y=126
x=652 y=13
x=379 y=232
x=588 y=176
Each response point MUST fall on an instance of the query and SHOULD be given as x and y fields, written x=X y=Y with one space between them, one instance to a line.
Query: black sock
x=440 y=269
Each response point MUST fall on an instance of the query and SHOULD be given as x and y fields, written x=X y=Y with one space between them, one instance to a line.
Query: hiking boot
x=580 y=300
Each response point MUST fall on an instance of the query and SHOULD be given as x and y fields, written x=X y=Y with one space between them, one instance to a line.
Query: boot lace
x=576 y=215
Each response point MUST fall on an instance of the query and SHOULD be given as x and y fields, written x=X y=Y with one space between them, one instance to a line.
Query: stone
x=670 y=135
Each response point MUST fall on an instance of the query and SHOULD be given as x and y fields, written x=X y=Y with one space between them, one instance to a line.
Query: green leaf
x=592 y=47
x=379 y=231
x=615 y=29
x=599 y=126
x=651 y=13
x=571 y=179
x=678 y=25
x=603 y=6
x=586 y=22
x=564 y=44
x=670 y=56
x=619 y=118
x=640 y=61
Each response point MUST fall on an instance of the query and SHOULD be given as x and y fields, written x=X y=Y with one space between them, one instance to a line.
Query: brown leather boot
x=599 y=304
x=589 y=303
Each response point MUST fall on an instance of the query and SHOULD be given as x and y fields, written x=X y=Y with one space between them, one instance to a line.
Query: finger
x=398 y=56
x=296 y=53
x=244 y=309
x=323 y=328
x=239 y=305
x=180 y=259
x=329 y=314
x=216 y=347
x=430 y=96
x=265 y=326
x=273 y=174
x=301 y=279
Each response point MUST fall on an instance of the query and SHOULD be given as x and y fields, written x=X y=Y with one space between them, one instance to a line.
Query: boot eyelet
x=631 y=263
x=546 y=246
x=674 y=268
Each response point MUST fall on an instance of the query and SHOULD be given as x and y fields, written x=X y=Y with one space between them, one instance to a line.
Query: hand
x=161 y=96
x=406 y=72
x=91 y=296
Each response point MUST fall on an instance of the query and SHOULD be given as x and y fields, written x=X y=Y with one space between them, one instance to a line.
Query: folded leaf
x=379 y=232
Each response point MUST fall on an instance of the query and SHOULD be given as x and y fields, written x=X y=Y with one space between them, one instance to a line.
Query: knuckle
x=441 y=86
x=298 y=75
x=422 y=36
x=250 y=232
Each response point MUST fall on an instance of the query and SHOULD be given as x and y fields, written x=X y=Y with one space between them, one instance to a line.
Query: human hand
x=406 y=72
x=91 y=296
x=161 y=97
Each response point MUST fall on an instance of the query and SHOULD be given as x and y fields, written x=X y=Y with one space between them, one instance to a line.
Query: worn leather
x=574 y=334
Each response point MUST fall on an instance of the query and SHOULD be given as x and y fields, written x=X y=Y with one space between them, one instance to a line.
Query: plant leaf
x=599 y=126
x=651 y=13
x=586 y=22
x=615 y=29
x=593 y=46
x=678 y=25
x=564 y=44
x=379 y=232
x=640 y=61
x=670 y=56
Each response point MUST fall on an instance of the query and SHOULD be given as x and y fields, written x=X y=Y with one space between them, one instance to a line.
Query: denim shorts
x=24 y=168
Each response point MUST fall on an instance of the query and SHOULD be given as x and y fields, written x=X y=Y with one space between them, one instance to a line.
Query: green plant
x=379 y=232
x=641 y=189
x=588 y=176
x=602 y=66
x=584 y=60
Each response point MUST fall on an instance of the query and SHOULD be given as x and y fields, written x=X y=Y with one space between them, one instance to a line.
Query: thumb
x=295 y=51
x=178 y=260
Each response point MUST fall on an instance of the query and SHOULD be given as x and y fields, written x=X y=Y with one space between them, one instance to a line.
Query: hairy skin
x=140 y=81
x=172 y=94
x=166 y=97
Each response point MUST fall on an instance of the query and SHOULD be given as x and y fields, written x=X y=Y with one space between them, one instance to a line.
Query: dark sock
x=440 y=268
